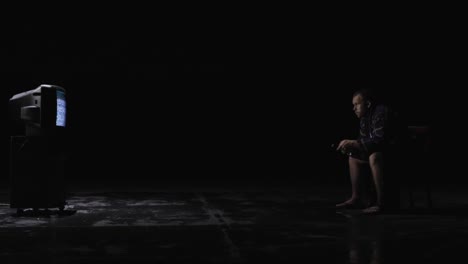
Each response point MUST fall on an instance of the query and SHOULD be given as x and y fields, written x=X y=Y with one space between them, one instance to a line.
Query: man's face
x=360 y=106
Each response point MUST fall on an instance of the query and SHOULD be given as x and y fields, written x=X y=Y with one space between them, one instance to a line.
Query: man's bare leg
x=355 y=170
x=376 y=164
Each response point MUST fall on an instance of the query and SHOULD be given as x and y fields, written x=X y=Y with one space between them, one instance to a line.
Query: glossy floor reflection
x=231 y=226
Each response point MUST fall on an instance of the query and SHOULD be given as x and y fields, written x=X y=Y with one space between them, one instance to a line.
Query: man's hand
x=347 y=145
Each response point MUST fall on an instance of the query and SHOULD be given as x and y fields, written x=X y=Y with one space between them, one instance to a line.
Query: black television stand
x=37 y=168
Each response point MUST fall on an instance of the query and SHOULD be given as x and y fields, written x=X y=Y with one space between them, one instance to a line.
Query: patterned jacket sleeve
x=373 y=139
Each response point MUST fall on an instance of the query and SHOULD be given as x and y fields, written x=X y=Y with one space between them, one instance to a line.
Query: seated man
x=378 y=135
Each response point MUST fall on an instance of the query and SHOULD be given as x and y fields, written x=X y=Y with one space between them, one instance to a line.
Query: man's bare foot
x=349 y=204
x=350 y=201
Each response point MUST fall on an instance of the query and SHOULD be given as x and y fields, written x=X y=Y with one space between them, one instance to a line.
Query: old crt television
x=41 y=111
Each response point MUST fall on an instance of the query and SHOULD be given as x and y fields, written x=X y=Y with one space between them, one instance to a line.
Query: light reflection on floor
x=229 y=226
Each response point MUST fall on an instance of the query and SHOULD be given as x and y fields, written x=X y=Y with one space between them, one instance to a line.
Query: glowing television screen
x=41 y=111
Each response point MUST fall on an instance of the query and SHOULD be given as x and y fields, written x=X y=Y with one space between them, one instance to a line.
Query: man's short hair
x=366 y=94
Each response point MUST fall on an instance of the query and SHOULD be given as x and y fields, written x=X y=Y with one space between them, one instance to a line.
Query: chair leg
x=429 y=196
x=410 y=196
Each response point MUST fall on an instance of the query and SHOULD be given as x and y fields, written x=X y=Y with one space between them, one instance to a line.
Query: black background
x=262 y=99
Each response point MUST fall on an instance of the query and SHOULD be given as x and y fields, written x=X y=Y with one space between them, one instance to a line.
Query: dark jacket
x=380 y=129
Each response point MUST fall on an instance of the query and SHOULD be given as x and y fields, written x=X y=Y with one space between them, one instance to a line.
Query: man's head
x=362 y=102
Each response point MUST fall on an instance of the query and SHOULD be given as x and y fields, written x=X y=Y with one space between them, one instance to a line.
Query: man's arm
x=375 y=140
x=348 y=145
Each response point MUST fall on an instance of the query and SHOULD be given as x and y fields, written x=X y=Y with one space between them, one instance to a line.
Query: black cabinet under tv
x=37 y=168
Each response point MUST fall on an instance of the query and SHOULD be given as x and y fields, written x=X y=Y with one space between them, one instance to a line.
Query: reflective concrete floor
x=231 y=225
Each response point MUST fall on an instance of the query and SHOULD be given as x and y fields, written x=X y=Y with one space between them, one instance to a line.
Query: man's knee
x=353 y=161
x=376 y=159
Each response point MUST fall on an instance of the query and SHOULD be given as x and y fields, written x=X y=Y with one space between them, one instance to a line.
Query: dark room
x=210 y=142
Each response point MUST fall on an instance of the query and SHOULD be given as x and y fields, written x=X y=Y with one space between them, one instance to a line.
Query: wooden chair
x=419 y=163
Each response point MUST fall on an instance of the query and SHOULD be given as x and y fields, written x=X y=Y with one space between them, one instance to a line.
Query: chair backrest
x=420 y=137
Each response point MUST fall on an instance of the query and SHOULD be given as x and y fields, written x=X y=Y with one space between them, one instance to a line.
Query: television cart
x=37 y=166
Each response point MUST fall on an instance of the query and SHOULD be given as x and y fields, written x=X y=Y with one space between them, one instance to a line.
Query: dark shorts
x=390 y=152
x=362 y=155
